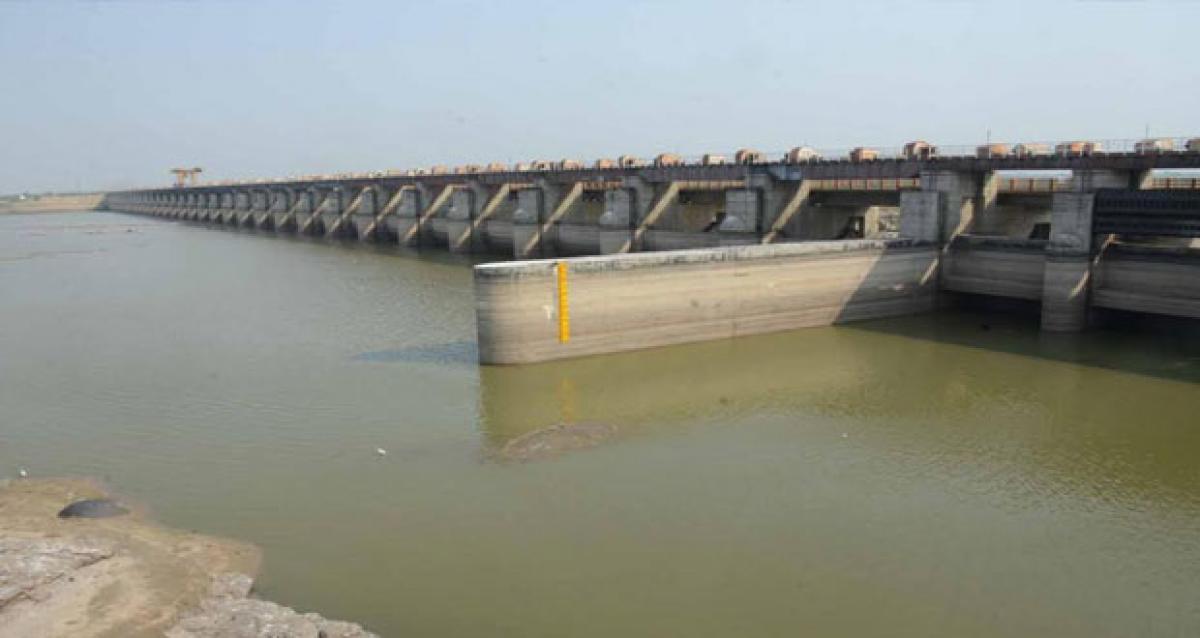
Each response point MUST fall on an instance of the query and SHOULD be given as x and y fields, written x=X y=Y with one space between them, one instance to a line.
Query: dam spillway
x=752 y=245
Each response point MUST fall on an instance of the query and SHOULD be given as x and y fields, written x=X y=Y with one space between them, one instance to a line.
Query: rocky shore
x=125 y=576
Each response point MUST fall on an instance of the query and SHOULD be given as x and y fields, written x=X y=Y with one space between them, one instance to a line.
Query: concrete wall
x=578 y=239
x=995 y=266
x=1068 y=263
x=627 y=302
x=678 y=240
x=1155 y=280
x=498 y=236
x=1011 y=220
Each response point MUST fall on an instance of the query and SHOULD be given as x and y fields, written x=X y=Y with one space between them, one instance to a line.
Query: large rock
x=230 y=613
x=127 y=577
x=28 y=565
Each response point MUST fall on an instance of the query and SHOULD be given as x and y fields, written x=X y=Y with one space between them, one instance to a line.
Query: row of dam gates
x=597 y=260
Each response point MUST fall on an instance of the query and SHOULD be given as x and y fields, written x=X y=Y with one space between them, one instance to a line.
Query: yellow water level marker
x=564 y=309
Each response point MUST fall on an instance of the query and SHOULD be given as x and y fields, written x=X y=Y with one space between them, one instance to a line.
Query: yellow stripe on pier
x=564 y=310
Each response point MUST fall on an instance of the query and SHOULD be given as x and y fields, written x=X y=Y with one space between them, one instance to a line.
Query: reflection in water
x=555 y=440
x=948 y=392
x=662 y=386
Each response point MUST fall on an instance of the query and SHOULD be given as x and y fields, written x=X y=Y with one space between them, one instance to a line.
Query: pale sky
x=112 y=94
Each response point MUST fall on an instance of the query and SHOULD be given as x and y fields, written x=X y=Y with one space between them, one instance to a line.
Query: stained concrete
x=626 y=302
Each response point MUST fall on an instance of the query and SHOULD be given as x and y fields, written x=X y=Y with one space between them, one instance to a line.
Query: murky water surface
x=917 y=477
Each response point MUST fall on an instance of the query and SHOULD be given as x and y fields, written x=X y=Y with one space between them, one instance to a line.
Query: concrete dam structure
x=624 y=254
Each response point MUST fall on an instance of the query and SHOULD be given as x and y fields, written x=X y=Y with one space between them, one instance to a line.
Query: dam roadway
x=750 y=245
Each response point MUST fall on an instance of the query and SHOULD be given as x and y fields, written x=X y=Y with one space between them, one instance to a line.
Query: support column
x=265 y=218
x=226 y=210
x=281 y=201
x=227 y=202
x=305 y=204
x=415 y=213
x=618 y=221
x=330 y=211
x=1067 y=279
x=624 y=210
x=943 y=209
x=260 y=213
x=791 y=208
x=241 y=206
x=986 y=205
x=465 y=203
x=363 y=218
x=920 y=216
x=529 y=241
x=308 y=222
x=408 y=218
x=539 y=212
x=389 y=222
x=957 y=204
x=1067 y=275
x=207 y=203
x=189 y=200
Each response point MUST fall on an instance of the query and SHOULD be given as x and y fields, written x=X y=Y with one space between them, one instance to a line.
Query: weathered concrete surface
x=1068 y=270
x=1155 y=280
x=1002 y=267
x=627 y=302
x=125 y=576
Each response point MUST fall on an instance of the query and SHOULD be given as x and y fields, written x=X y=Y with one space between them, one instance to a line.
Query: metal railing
x=1107 y=146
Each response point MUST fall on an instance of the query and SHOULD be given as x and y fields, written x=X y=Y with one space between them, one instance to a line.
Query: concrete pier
x=363 y=218
x=1068 y=263
x=625 y=302
x=462 y=233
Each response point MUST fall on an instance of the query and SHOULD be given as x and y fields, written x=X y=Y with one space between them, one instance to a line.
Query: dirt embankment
x=127 y=577
x=52 y=204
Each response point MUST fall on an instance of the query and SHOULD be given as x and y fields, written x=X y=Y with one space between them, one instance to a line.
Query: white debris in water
x=380 y=451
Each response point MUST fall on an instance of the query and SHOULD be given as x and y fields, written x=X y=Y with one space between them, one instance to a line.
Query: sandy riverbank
x=128 y=577
x=52 y=204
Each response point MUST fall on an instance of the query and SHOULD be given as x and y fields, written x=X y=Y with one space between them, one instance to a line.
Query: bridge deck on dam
x=854 y=240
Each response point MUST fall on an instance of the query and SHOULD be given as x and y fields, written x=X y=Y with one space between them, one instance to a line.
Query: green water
x=915 y=477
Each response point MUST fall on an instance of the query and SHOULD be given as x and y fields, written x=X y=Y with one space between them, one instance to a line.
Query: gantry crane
x=185 y=175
